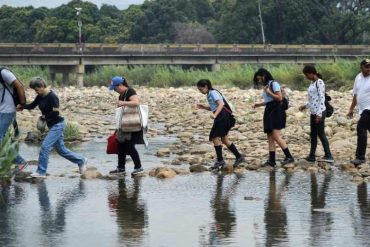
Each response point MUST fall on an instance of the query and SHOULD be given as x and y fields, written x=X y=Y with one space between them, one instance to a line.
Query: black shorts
x=221 y=125
x=274 y=117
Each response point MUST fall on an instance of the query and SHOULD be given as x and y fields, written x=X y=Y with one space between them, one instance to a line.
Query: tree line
x=192 y=21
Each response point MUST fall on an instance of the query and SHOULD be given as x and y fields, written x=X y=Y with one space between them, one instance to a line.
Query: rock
x=162 y=172
x=91 y=173
x=185 y=135
x=289 y=166
x=228 y=169
x=198 y=168
x=357 y=179
x=163 y=152
x=341 y=144
x=312 y=169
x=32 y=137
x=202 y=149
x=182 y=171
x=342 y=121
x=346 y=166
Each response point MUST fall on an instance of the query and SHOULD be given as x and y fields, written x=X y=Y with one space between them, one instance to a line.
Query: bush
x=71 y=132
x=8 y=152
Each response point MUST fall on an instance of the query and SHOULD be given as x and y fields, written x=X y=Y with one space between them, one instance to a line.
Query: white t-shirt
x=7 y=106
x=362 y=91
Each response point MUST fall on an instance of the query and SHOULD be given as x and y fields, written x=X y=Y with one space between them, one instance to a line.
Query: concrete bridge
x=72 y=58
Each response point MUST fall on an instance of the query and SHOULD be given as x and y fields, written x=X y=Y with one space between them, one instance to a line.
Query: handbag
x=112 y=145
x=41 y=124
x=131 y=119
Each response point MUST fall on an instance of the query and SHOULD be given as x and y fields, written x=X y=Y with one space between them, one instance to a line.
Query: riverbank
x=172 y=113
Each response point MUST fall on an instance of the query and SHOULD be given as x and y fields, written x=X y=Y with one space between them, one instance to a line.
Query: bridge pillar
x=80 y=69
x=216 y=67
x=65 y=79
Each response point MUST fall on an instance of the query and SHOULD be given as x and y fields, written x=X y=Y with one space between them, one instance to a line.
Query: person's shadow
x=10 y=195
x=275 y=211
x=320 y=221
x=131 y=212
x=224 y=215
x=53 y=221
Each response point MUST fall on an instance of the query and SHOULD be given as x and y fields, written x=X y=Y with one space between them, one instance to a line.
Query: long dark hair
x=205 y=82
x=263 y=72
x=310 y=69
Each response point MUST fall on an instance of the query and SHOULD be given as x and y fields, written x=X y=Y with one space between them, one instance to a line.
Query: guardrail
x=189 y=49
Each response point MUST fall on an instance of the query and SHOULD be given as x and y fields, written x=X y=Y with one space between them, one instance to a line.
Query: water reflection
x=275 y=211
x=131 y=212
x=10 y=196
x=224 y=215
x=362 y=228
x=321 y=221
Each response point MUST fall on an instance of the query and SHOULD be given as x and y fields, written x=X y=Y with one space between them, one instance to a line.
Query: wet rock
x=163 y=152
x=198 y=168
x=227 y=169
x=346 y=166
x=289 y=166
x=312 y=169
x=182 y=171
x=357 y=179
x=202 y=149
x=91 y=173
x=162 y=172
x=32 y=137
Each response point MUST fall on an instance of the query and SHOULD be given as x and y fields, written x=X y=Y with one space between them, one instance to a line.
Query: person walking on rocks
x=9 y=86
x=361 y=97
x=316 y=104
x=223 y=122
x=48 y=103
x=274 y=117
x=127 y=97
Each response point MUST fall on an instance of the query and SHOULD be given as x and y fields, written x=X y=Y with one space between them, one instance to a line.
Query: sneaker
x=118 y=171
x=358 y=162
x=310 y=158
x=137 y=171
x=238 y=161
x=269 y=163
x=82 y=168
x=328 y=159
x=287 y=160
x=38 y=175
x=218 y=165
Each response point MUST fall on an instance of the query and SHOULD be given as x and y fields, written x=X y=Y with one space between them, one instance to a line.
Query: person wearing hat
x=127 y=97
x=361 y=97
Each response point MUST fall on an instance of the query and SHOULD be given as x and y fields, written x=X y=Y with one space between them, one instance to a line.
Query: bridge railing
x=177 y=49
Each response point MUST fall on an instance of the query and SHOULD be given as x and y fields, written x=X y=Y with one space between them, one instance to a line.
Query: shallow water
x=255 y=209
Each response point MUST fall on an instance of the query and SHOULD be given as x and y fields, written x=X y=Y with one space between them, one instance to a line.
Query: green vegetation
x=71 y=132
x=192 y=21
x=8 y=152
x=338 y=76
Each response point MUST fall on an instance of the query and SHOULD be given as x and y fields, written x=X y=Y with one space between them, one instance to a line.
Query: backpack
x=14 y=95
x=284 y=102
x=328 y=106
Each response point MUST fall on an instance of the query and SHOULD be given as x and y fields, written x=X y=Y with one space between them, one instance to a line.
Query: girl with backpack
x=316 y=104
x=223 y=122
x=274 y=117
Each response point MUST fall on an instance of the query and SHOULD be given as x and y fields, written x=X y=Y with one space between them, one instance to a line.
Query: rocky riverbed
x=172 y=112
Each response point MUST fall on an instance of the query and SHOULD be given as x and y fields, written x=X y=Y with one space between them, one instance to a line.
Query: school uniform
x=223 y=122
x=274 y=117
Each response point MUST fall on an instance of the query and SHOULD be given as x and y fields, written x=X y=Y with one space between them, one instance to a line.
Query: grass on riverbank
x=338 y=76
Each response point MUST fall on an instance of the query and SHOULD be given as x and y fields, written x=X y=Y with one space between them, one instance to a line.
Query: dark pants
x=363 y=126
x=125 y=148
x=318 y=130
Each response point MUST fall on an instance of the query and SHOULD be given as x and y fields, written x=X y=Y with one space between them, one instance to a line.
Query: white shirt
x=361 y=90
x=316 y=97
x=7 y=106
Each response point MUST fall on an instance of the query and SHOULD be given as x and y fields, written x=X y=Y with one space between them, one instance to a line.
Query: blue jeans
x=55 y=138
x=6 y=119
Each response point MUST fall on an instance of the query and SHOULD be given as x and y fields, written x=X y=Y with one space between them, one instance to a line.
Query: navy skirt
x=274 y=117
x=222 y=124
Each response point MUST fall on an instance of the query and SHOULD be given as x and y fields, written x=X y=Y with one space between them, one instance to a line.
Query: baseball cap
x=116 y=81
x=365 y=62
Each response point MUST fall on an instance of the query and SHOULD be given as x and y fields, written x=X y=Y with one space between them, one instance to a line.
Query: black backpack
x=328 y=106
x=285 y=101
x=14 y=95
